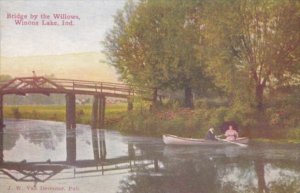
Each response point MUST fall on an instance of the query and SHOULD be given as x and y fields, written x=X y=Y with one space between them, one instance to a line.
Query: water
x=40 y=156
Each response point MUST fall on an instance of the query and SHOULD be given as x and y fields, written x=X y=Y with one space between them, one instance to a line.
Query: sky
x=85 y=35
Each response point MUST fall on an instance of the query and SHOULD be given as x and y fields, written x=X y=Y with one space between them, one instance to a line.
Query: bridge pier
x=1 y=113
x=71 y=125
x=95 y=144
x=102 y=145
x=101 y=109
x=71 y=146
x=1 y=145
x=98 y=112
x=70 y=111
x=99 y=146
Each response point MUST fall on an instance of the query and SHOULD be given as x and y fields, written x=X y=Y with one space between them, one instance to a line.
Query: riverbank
x=181 y=122
x=113 y=113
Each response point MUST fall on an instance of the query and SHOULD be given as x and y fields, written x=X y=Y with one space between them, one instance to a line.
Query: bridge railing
x=78 y=86
x=99 y=87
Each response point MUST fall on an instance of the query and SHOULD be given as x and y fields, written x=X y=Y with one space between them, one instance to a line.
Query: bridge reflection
x=42 y=171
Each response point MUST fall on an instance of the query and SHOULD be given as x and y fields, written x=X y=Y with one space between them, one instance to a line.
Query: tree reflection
x=270 y=177
x=176 y=176
x=285 y=185
x=204 y=174
x=260 y=172
x=47 y=138
x=10 y=140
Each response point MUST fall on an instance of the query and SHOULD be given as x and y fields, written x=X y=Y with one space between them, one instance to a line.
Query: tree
x=153 y=44
x=259 y=40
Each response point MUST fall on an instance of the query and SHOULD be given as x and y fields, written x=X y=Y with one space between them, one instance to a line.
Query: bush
x=35 y=114
x=16 y=113
x=173 y=104
x=294 y=134
x=195 y=123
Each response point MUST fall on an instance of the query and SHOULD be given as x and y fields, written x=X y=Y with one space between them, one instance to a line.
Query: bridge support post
x=1 y=113
x=70 y=111
x=94 y=121
x=98 y=112
x=71 y=125
x=97 y=121
x=95 y=145
x=71 y=146
x=1 y=129
x=1 y=145
x=101 y=110
x=102 y=145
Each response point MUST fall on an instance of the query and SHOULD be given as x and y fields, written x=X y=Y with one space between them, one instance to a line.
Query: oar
x=240 y=144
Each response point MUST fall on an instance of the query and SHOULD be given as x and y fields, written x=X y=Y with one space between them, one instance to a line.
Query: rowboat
x=175 y=140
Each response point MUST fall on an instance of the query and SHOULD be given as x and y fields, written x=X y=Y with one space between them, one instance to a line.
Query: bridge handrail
x=85 y=81
x=77 y=85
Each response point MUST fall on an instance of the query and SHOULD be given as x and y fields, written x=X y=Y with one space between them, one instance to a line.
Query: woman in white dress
x=231 y=134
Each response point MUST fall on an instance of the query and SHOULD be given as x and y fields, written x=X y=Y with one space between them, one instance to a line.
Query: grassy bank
x=141 y=121
x=195 y=123
x=113 y=113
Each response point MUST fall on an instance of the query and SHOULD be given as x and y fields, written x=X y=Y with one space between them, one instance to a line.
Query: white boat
x=175 y=140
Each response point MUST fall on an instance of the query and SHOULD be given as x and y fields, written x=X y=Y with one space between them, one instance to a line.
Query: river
x=41 y=157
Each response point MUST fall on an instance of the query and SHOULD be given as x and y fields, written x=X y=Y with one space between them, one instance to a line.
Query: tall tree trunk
x=261 y=116
x=154 y=97
x=259 y=94
x=188 y=97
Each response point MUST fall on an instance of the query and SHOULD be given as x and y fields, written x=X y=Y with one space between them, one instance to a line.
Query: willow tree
x=259 y=39
x=153 y=44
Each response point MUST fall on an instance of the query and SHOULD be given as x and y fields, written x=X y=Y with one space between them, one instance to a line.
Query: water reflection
x=198 y=170
x=90 y=158
x=47 y=137
x=99 y=145
x=40 y=171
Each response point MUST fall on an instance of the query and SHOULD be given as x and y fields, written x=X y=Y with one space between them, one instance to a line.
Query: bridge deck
x=42 y=85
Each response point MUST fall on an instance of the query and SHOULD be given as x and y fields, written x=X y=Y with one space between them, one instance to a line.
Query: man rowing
x=210 y=134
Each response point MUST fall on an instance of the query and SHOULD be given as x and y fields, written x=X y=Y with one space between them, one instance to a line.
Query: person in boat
x=231 y=134
x=210 y=134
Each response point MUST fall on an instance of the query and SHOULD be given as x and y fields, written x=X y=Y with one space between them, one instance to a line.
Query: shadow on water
x=149 y=165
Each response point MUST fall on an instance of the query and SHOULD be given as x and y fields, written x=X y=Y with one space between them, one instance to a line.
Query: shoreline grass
x=183 y=123
x=113 y=112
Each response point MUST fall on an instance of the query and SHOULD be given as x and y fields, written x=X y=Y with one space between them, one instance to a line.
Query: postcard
x=149 y=96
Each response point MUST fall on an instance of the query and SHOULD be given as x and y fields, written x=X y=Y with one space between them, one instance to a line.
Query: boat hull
x=175 y=140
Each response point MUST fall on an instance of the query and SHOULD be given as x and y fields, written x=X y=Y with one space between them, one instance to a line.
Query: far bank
x=142 y=121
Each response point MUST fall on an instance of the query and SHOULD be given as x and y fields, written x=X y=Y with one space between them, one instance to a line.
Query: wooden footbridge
x=71 y=88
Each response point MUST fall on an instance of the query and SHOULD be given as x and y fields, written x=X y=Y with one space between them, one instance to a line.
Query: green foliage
x=153 y=44
x=156 y=124
x=294 y=134
x=251 y=52
x=173 y=104
x=114 y=112
x=16 y=113
x=137 y=123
